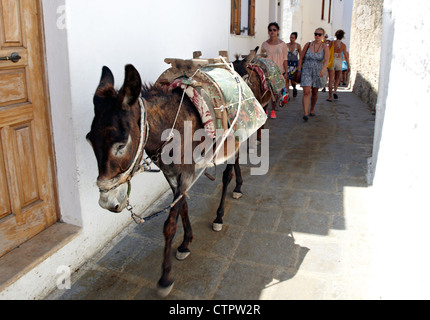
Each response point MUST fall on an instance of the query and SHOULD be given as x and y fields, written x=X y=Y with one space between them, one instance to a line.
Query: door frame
x=58 y=84
x=47 y=109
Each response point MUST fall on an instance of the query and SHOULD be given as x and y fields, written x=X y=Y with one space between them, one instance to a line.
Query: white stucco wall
x=311 y=17
x=401 y=216
x=304 y=16
x=102 y=32
x=292 y=20
x=342 y=17
x=80 y=37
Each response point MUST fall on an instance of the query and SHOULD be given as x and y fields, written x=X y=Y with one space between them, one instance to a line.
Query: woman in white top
x=276 y=50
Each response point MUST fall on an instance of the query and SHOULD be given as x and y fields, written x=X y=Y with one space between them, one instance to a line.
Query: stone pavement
x=299 y=232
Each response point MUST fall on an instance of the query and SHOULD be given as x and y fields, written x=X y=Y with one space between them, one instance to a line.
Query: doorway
x=28 y=202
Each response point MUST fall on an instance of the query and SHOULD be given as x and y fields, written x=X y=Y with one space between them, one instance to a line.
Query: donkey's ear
x=105 y=89
x=132 y=87
x=106 y=79
x=252 y=55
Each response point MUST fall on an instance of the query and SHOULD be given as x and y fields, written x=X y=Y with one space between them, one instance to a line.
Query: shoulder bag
x=297 y=76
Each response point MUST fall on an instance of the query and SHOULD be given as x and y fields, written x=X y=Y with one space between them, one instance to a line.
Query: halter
x=135 y=168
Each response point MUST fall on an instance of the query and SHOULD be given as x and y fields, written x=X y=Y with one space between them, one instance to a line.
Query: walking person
x=325 y=78
x=277 y=51
x=345 y=73
x=313 y=68
x=336 y=70
x=294 y=52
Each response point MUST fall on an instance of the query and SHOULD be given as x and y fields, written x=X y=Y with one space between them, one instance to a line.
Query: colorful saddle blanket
x=200 y=103
x=271 y=72
x=214 y=90
x=261 y=76
x=247 y=117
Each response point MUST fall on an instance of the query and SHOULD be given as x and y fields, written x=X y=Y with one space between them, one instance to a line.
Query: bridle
x=135 y=167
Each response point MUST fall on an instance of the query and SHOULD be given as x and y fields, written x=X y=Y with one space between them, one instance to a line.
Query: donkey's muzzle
x=114 y=200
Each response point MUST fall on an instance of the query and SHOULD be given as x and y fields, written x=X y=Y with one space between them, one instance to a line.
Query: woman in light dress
x=313 y=64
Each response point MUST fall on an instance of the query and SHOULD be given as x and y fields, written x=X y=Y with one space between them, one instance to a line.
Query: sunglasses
x=318 y=34
x=273 y=30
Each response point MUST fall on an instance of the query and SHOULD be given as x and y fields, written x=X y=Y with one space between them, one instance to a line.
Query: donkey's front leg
x=237 y=192
x=226 y=178
x=165 y=284
x=183 y=251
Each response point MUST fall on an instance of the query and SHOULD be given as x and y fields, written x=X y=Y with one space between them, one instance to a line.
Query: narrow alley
x=299 y=232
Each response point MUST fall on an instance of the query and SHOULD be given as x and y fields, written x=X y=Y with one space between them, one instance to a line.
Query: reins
x=225 y=135
x=137 y=218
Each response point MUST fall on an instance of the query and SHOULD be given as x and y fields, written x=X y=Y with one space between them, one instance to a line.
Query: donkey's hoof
x=217 y=227
x=182 y=255
x=237 y=195
x=163 y=292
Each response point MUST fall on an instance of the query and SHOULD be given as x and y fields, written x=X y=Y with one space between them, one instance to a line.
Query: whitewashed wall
x=342 y=17
x=292 y=20
x=311 y=19
x=304 y=16
x=401 y=210
x=80 y=37
x=143 y=33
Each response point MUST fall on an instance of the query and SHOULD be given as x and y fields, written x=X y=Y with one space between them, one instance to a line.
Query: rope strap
x=139 y=219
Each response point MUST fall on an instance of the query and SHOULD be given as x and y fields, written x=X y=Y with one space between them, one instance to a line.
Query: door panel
x=13 y=87
x=27 y=182
x=11 y=18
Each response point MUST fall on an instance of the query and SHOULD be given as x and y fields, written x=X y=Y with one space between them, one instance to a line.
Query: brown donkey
x=132 y=119
x=253 y=80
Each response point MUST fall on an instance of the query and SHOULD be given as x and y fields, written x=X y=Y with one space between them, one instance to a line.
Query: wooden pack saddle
x=201 y=89
x=224 y=101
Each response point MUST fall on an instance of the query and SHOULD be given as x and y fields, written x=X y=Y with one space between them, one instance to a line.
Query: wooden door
x=27 y=182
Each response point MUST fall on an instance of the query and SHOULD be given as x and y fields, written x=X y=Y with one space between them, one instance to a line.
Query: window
x=323 y=10
x=242 y=17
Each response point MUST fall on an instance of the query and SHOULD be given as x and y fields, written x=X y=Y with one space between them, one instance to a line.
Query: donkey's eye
x=119 y=149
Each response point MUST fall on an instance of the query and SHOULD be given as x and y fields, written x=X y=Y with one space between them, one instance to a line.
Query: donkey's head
x=254 y=82
x=115 y=136
x=241 y=65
